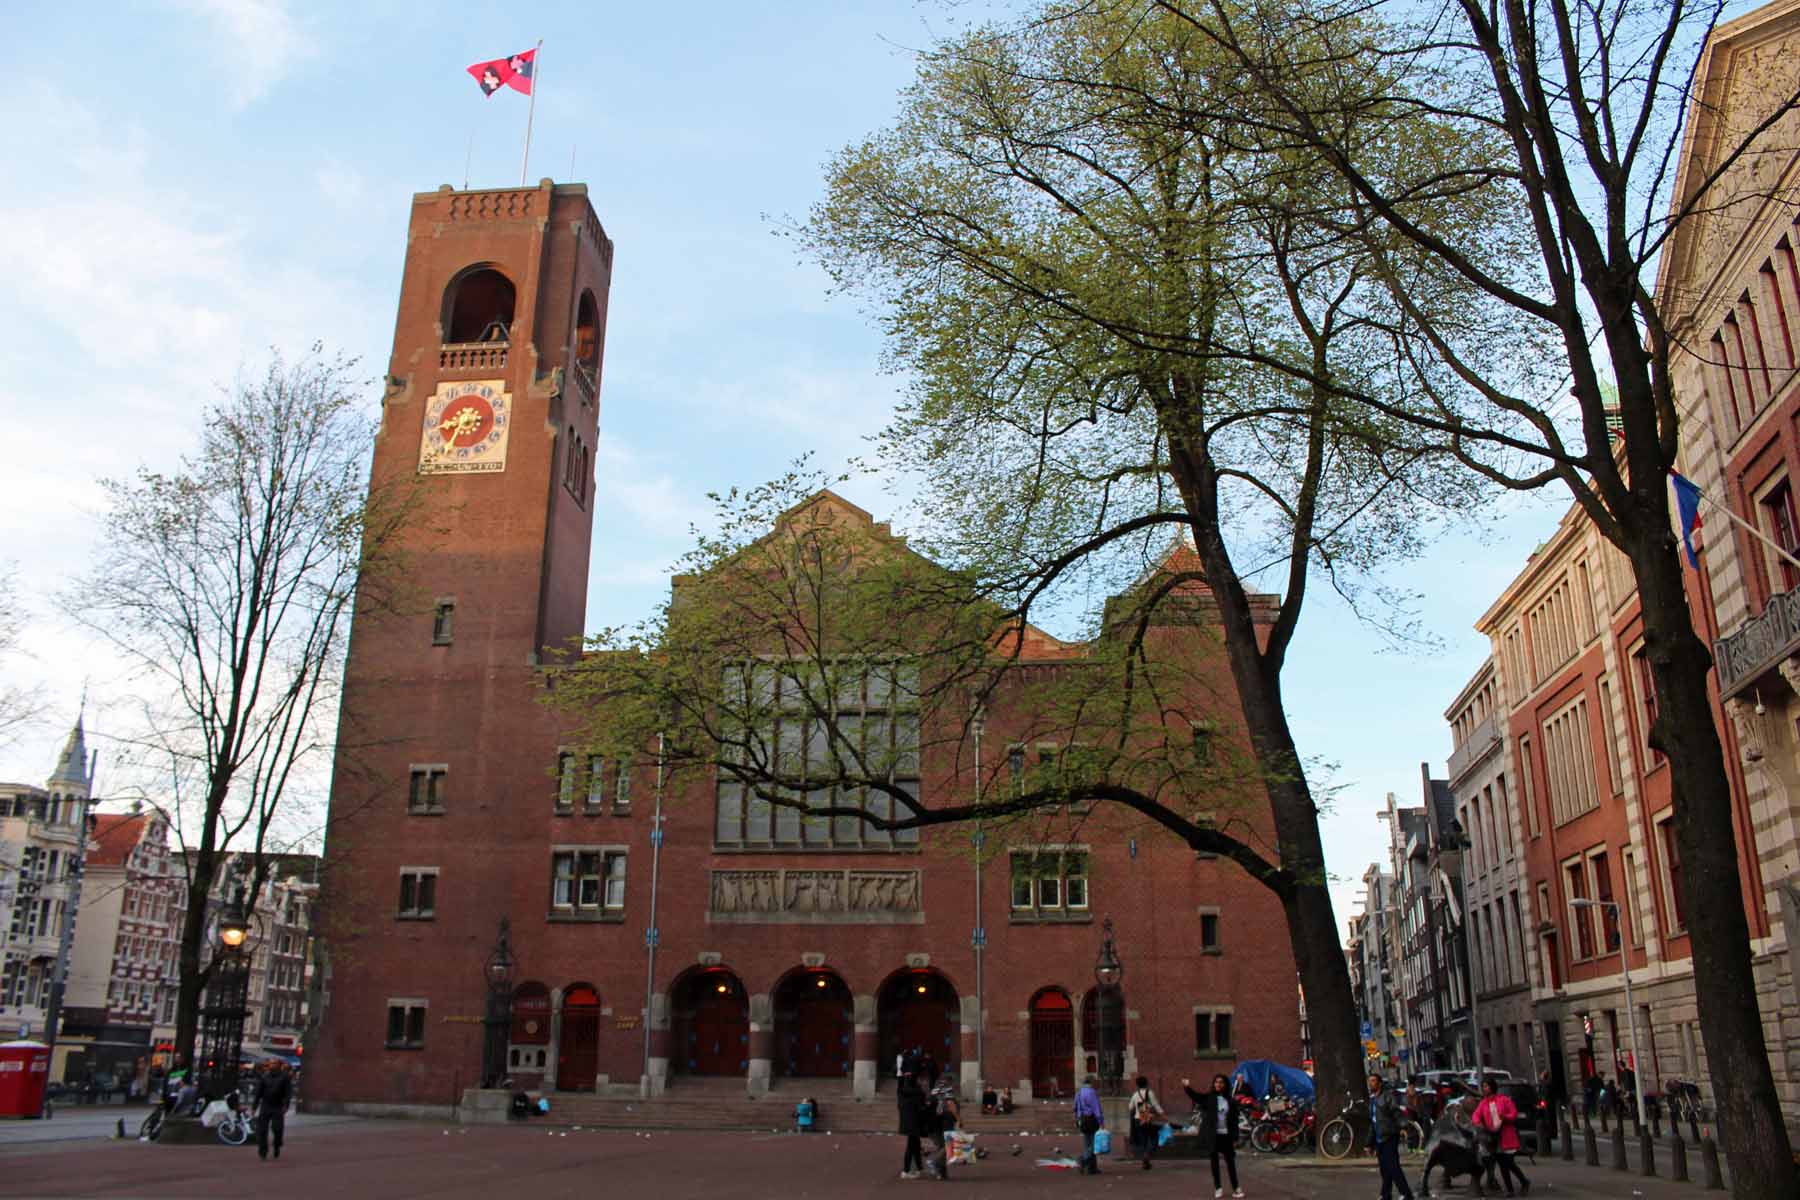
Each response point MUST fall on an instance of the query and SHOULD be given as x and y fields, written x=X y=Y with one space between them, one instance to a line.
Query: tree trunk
x=193 y=966
x=1737 y=1057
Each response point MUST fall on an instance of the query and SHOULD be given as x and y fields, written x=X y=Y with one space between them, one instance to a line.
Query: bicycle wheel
x=1259 y=1136
x=151 y=1129
x=234 y=1130
x=1337 y=1139
x=1412 y=1137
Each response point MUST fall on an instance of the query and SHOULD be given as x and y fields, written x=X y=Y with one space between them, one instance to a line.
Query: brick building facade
x=720 y=942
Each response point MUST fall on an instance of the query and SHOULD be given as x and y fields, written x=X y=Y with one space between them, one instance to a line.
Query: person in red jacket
x=1496 y=1120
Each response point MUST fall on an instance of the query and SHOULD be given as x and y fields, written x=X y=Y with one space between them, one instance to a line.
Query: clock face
x=465 y=429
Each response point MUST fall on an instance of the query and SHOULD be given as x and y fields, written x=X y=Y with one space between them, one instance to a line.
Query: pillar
x=865 y=1045
x=971 y=1064
x=661 y=1046
x=551 y=1053
x=762 y=1047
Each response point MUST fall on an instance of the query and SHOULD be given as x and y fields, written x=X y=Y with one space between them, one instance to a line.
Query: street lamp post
x=1108 y=973
x=978 y=937
x=498 y=973
x=222 y=1019
x=1637 y=1060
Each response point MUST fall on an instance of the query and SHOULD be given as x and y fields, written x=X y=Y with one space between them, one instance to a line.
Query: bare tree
x=227 y=586
x=19 y=703
x=1587 y=100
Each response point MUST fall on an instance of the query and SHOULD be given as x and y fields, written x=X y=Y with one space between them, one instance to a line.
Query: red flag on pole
x=514 y=72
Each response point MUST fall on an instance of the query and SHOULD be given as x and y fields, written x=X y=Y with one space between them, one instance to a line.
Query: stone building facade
x=40 y=882
x=776 y=952
x=1493 y=876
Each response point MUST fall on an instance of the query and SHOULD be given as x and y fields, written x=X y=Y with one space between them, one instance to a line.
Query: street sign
x=1368 y=1031
x=1403 y=1054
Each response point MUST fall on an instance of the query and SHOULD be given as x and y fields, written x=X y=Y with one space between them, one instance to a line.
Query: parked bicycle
x=1284 y=1133
x=1339 y=1136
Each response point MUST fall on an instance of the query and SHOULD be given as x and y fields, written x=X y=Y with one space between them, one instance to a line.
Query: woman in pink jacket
x=1496 y=1120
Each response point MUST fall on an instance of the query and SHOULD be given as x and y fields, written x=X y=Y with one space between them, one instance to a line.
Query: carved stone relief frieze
x=801 y=895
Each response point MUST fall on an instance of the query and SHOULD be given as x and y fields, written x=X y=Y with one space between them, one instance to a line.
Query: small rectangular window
x=418 y=892
x=1203 y=1032
x=622 y=794
x=425 y=789
x=405 y=1024
x=441 y=619
x=596 y=781
x=1222 y=1031
x=565 y=781
x=1209 y=933
x=1672 y=877
x=586 y=882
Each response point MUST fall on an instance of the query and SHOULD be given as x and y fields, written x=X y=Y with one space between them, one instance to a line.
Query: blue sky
x=195 y=181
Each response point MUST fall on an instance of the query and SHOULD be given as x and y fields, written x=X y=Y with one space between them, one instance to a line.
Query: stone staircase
x=720 y=1104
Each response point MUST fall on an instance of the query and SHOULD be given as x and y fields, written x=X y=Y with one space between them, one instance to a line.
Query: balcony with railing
x=456 y=358
x=1759 y=645
x=1482 y=739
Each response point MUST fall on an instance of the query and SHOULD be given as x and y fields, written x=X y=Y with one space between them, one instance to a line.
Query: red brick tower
x=490 y=420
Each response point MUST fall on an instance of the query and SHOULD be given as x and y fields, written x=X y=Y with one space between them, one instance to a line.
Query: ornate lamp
x=1109 y=972
x=498 y=972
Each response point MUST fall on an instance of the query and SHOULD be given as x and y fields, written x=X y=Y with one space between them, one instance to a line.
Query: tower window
x=478 y=307
x=587 y=338
x=440 y=622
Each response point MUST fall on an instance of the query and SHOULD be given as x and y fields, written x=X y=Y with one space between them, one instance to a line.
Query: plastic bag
x=1165 y=1135
x=1102 y=1141
x=214 y=1113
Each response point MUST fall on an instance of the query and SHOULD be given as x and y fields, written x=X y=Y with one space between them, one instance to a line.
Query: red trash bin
x=24 y=1069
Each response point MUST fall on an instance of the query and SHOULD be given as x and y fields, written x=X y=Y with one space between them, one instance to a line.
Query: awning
x=286 y=1056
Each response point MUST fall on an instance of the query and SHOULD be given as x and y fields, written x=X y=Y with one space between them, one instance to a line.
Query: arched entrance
x=917 y=1009
x=1052 y=1043
x=709 y=1018
x=815 y=1019
x=578 y=1049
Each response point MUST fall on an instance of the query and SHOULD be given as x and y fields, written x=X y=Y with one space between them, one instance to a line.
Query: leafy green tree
x=1589 y=102
x=1118 y=309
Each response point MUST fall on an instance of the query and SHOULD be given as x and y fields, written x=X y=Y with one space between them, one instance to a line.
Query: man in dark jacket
x=1384 y=1131
x=276 y=1093
x=910 y=1094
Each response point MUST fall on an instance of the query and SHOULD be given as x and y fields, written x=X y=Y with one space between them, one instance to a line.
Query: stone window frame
x=1216 y=946
x=417 y=912
x=603 y=909
x=435 y=780
x=1215 y=1047
x=406 y=1006
x=1063 y=911
x=443 y=615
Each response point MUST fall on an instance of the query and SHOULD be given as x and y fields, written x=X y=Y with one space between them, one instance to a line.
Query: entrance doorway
x=917 y=1010
x=1052 y=1043
x=578 y=1050
x=709 y=1018
x=814 y=1020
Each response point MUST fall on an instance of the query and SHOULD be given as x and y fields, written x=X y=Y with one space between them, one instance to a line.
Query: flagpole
x=1752 y=530
x=537 y=74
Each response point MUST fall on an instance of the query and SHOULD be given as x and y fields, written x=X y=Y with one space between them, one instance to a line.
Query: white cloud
x=342 y=185
x=262 y=42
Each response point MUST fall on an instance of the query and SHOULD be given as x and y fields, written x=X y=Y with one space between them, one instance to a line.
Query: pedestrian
x=804 y=1113
x=1590 y=1096
x=944 y=1113
x=1146 y=1120
x=1384 y=1131
x=271 y=1107
x=1090 y=1119
x=1218 y=1127
x=1496 y=1122
x=911 y=1098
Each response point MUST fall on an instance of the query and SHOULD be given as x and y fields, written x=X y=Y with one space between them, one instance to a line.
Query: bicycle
x=1283 y=1134
x=234 y=1130
x=1338 y=1138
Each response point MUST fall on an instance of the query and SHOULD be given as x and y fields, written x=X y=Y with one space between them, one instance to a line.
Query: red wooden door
x=815 y=1026
x=578 y=1050
x=718 y=1034
x=1052 y=1044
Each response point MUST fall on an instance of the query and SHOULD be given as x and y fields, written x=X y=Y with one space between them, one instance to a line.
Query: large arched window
x=587 y=335
x=478 y=307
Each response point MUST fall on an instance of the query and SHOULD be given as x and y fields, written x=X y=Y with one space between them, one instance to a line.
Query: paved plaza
x=343 y=1159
